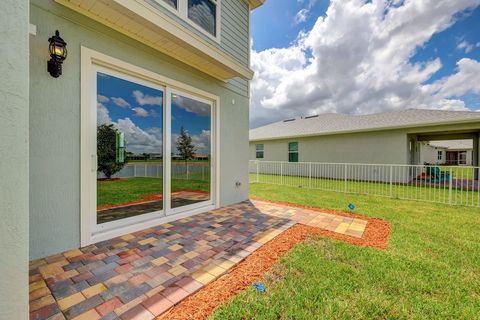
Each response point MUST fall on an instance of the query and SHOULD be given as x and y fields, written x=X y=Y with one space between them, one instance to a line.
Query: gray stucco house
x=384 y=138
x=139 y=72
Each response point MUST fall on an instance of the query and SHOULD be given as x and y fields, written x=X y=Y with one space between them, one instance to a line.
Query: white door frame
x=91 y=62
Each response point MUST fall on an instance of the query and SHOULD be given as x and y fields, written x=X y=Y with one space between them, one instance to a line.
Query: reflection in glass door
x=129 y=148
x=191 y=154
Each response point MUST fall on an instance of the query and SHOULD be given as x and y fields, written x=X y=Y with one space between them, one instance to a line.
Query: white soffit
x=142 y=22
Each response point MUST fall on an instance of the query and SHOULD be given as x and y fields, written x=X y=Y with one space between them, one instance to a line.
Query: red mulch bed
x=375 y=235
x=145 y=198
x=194 y=191
x=201 y=304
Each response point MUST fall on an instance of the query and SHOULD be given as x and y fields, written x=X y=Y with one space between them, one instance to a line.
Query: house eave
x=458 y=149
x=255 y=3
x=142 y=22
x=386 y=128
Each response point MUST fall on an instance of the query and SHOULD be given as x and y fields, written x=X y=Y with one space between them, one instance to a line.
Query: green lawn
x=419 y=190
x=430 y=271
x=459 y=172
x=133 y=189
x=149 y=161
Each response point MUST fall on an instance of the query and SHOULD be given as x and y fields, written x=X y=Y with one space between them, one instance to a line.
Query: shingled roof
x=453 y=144
x=335 y=123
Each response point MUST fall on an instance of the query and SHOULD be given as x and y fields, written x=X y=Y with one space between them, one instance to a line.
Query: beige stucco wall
x=55 y=122
x=14 y=168
x=373 y=147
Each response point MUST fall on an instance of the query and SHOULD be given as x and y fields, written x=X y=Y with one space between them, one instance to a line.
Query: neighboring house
x=146 y=66
x=383 y=138
x=449 y=152
x=199 y=156
x=148 y=156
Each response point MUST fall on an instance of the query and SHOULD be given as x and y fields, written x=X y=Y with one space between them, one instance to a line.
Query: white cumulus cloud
x=201 y=142
x=304 y=13
x=465 y=80
x=122 y=103
x=145 y=99
x=138 y=140
x=103 y=116
x=301 y=16
x=356 y=59
x=140 y=112
x=102 y=99
x=191 y=105
x=465 y=46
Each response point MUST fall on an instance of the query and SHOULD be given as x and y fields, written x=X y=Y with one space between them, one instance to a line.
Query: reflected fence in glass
x=190 y=171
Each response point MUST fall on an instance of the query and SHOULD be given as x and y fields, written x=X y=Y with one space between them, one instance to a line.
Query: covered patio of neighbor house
x=415 y=150
x=143 y=274
x=454 y=132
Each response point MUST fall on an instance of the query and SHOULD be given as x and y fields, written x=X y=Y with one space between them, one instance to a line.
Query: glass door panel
x=129 y=148
x=191 y=154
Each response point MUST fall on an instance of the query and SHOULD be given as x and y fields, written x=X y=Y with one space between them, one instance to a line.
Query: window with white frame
x=439 y=155
x=259 y=151
x=462 y=157
x=203 y=14
x=172 y=3
x=293 y=152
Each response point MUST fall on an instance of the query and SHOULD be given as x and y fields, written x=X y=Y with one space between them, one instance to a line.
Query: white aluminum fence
x=454 y=185
x=180 y=170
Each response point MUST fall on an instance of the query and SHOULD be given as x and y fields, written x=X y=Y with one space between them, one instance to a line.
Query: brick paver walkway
x=143 y=274
x=339 y=224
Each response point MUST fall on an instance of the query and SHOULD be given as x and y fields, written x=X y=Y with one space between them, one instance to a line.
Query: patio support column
x=476 y=154
x=14 y=173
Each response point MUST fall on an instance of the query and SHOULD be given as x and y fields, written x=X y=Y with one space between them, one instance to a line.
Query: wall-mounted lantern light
x=58 y=53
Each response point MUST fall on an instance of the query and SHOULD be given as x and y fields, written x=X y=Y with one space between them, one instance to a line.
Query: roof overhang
x=420 y=125
x=142 y=22
x=255 y=3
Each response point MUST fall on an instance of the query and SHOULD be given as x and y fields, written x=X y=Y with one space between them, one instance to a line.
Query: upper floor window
x=293 y=152
x=172 y=3
x=259 y=151
x=439 y=155
x=203 y=14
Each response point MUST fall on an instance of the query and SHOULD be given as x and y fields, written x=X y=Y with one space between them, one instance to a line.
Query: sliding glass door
x=153 y=150
x=191 y=152
x=129 y=148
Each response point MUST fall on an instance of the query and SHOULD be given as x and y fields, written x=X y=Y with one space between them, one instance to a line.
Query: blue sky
x=273 y=24
x=445 y=44
x=114 y=88
x=441 y=36
x=137 y=111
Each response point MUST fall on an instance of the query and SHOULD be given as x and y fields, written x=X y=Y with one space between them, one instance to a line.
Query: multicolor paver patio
x=143 y=274
x=331 y=222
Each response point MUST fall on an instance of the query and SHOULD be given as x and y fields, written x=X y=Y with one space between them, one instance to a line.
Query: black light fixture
x=58 y=53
